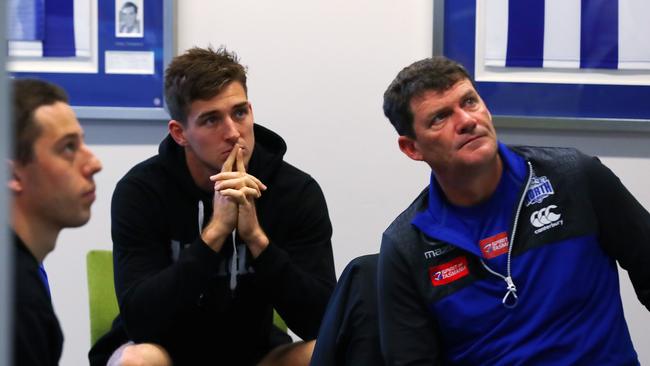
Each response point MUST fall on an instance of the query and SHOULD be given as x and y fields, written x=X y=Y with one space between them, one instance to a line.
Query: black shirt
x=38 y=339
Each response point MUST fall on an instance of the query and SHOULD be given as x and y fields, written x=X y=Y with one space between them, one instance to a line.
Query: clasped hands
x=235 y=192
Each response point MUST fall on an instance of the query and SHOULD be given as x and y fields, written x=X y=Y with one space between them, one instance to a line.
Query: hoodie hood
x=267 y=156
x=264 y=163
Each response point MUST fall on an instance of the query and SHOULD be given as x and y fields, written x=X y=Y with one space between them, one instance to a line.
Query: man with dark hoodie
x=216 y=231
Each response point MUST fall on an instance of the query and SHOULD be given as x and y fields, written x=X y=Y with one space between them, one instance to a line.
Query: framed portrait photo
x=129 y=18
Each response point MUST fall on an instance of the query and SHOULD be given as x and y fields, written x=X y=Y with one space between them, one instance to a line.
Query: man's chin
x=78 y=221
x=483 y=154
x=478 y=143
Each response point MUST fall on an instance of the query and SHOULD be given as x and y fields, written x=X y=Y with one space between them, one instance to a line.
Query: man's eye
x=470 y=102
x=241 y=113
x=70 y=148
x=210 y=120
x=438 y=119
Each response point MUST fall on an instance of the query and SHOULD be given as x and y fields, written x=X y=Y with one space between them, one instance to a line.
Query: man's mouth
x=90 y=194
x=469 y=140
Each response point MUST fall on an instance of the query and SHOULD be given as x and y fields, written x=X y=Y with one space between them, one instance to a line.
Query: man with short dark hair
x=509 y=256
x=217 y=230
x=52 y=188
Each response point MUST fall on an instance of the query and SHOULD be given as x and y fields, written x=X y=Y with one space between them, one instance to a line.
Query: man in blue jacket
x=509 y=255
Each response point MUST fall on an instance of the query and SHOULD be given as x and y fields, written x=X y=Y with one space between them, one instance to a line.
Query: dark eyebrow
x=240 y=105
x=470 y=93
x=63 y=140
x=208 y=114
x=71 y=135
x=437 y=112
x=217 y=113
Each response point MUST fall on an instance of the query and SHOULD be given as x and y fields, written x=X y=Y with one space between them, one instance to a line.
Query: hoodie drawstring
x=200 y=217
x=233 y=263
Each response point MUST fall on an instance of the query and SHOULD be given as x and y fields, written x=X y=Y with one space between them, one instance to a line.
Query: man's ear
x=177 y=131
x=409 y=147
x=15 y=182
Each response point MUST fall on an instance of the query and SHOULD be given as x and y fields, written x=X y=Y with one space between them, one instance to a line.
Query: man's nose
x=231 y=132
x=466 y=122
x=92 y=164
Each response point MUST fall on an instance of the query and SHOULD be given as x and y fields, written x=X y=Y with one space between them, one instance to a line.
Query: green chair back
x=279 y=322
x=101 y=292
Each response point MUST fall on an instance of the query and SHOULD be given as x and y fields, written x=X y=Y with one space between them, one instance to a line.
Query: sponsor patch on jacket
x=495 y=245
x=448 y=272
x=539 y=189
x=546 y=219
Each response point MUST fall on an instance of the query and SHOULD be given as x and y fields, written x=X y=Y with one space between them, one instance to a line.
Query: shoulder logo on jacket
x=449 y=272
x=545 y=219
x=539 y=189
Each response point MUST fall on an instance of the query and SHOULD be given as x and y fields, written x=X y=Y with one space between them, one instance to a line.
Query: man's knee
x=145 y=354
x=292 y=354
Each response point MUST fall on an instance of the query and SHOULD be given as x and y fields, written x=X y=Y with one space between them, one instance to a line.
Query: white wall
x=317 y=72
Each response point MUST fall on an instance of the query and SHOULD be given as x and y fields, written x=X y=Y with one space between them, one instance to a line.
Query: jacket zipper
x=510 y=299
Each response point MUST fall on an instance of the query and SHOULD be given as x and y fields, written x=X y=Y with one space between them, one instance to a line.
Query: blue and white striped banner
x=602 y=34
x=59 y=40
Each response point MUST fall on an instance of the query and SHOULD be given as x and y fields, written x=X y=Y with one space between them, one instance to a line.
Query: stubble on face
x=453 y=129
x=214 y=128
x=59 y=185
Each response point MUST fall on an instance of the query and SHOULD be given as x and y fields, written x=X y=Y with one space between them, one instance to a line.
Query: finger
x=227 y=165
x=236 y=195
x=238 y=183
x=236 y=175
x=240 y=161
x=259 y=183
x=250 y=192
x=229 y=175
x=225 y=176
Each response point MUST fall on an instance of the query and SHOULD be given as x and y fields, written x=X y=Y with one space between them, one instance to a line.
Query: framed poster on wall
x=553 y=64
x=109 y=55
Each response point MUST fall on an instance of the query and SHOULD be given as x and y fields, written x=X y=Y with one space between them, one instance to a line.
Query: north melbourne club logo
x=540 y=188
